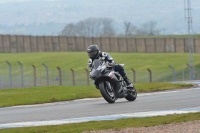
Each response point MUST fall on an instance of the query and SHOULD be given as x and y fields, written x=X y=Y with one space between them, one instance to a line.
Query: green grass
x=103 y=125
x=37 y=95
x=78 y=60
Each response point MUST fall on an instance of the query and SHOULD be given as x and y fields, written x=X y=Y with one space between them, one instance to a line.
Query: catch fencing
x=31 y=76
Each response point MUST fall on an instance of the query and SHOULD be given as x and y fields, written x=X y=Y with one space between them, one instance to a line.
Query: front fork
x=109 y=86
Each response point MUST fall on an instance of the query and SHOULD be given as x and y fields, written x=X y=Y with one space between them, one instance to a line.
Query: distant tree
x=90 y=27
x=69 y=30
x=107 y=27
x=96 y=27
x=148 y=29
x=129 y=28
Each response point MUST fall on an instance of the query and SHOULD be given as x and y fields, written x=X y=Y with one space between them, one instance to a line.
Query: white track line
x=99 y=118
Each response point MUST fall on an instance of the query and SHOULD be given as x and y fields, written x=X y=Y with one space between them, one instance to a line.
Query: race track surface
x=157 y=101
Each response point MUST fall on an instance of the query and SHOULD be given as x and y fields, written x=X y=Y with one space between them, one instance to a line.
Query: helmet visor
x=92 y=54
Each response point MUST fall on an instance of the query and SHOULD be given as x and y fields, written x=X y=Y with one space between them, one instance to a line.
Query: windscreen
x=96 y=63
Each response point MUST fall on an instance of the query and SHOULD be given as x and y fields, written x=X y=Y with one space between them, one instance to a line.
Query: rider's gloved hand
x=102 y=58
x=111 y=64
x=89 y=63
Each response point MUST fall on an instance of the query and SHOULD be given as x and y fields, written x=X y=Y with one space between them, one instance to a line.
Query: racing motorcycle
x=110 y=83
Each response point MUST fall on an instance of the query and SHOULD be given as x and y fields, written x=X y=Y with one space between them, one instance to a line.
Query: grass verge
x=103 y=125
x=38 y=95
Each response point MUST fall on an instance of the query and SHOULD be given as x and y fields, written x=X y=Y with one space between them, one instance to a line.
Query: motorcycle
x=110 y=83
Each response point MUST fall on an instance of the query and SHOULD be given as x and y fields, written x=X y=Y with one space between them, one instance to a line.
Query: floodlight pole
x=188 y=17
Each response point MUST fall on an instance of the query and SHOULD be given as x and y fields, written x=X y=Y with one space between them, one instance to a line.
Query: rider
x=94 y=53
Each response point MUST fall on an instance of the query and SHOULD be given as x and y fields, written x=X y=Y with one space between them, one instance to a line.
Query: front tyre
x=132 y=94
x=107 y=91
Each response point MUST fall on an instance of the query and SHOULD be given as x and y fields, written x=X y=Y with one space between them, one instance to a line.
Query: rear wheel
x=107 y=91
x=132 y=94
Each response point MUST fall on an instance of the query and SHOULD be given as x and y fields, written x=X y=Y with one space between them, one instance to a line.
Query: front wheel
x=107 y=91
x=132 y=94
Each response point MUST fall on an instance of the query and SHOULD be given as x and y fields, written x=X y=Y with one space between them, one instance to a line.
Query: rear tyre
x=107 y=91
x=132 y=94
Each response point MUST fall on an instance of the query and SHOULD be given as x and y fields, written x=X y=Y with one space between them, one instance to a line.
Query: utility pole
x=188 y=19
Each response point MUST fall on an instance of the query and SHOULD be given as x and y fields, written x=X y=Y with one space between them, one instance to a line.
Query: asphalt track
x=147 y=102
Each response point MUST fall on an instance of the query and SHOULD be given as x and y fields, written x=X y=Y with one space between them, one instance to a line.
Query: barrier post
x=134 y=75
x=47 y=73
x=73 y=77
x=60 y=75
x=22 y=73
x=150 y=75
x=87 y=72
x=34 y=68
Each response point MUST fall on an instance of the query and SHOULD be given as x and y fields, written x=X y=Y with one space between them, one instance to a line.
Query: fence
x=20 y=77
x=25 y=44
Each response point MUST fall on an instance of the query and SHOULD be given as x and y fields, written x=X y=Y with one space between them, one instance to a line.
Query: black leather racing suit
x=107 y=57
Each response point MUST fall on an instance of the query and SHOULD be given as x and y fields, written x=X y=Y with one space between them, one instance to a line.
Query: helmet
x=93 y=51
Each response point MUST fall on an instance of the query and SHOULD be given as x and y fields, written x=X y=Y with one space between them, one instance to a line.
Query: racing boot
x=128 y=82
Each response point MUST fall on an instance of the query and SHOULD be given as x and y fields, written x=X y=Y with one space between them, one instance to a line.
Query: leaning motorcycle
x=110 y=83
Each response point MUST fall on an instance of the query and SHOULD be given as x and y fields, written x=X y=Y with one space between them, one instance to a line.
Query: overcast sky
x=168 y=13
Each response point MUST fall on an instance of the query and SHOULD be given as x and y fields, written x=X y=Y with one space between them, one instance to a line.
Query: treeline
x=104 y=27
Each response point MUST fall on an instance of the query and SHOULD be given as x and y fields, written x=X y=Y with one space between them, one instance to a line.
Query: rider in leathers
x=94 y=53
